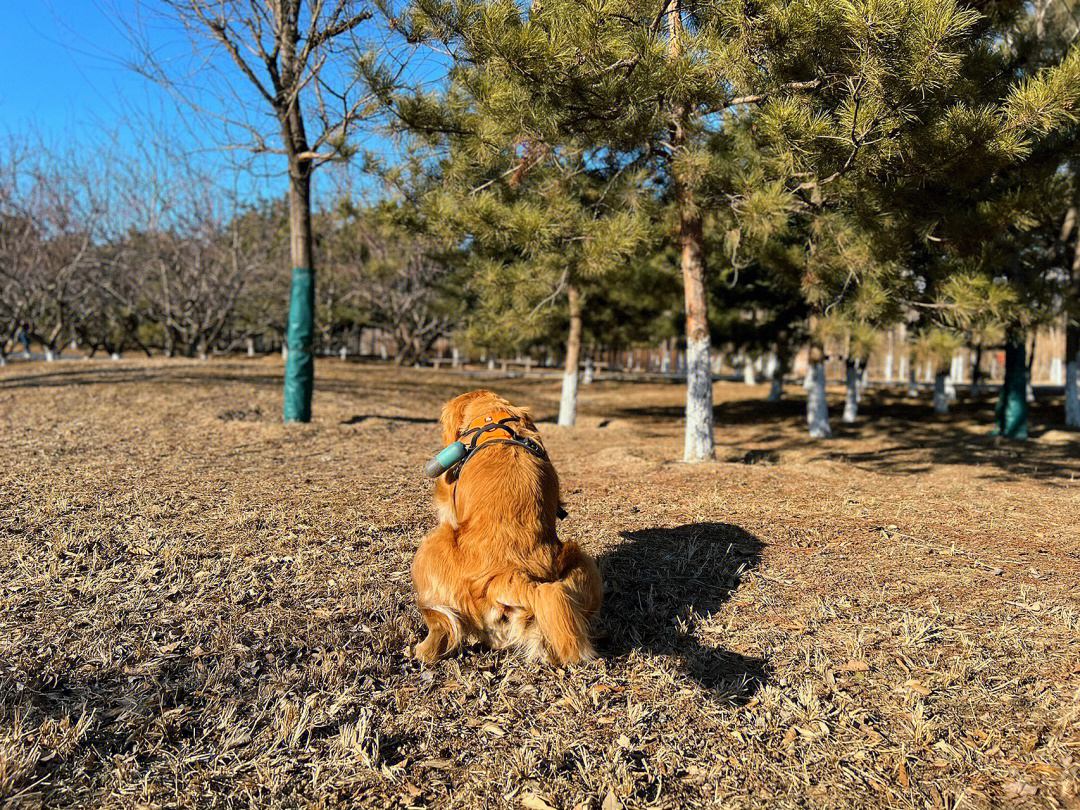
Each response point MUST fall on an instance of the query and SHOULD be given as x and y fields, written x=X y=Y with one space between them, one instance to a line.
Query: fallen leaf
x=789 y=737
x=491 y=728
x=1014 y=789
x=902 y=776
x=854 y=666
x=917 y=687
x=610 y=802
x=534 y=802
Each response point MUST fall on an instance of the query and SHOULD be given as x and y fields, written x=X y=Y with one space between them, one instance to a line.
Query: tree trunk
x=1072 y=340
x=300 y=365
x=699 y=401
x=956 y=373
x=1011 y=414
x=888 y=371
x=1029 y=392
x=817 y=405
x=1072 y=372
x=749 y=372
x=780 y=364
x=941 y=394
x=851 y=400
x=568 y=403
x=913 y=385
x=976 y=373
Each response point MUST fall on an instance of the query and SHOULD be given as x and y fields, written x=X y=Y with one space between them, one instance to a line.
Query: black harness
x=521 y=441
x=531 y=445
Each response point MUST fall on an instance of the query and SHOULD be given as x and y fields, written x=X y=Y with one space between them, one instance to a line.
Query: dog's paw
x=427 y=651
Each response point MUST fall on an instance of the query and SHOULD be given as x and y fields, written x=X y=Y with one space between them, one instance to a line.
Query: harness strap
x=531 y=445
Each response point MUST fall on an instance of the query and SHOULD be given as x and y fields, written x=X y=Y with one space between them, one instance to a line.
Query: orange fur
x=494 y=570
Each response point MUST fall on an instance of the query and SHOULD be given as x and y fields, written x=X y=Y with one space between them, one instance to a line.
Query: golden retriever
x=494 y=570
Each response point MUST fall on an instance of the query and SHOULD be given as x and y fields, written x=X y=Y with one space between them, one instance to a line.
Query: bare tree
x=398 y=283
x=50 y=220
x=297 y=56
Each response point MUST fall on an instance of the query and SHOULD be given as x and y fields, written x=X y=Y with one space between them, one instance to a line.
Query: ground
x=202 y=607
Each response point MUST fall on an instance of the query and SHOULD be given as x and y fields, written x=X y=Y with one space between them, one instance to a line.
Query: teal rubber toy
x=448 y=457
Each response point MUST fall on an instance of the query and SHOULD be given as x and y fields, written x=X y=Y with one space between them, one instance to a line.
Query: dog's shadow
x=659 y=584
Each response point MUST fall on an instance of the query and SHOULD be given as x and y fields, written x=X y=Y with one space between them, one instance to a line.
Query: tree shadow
x=361 y=418
x=659 y=583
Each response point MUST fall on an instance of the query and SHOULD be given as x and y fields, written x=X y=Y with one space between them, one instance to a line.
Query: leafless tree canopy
x=154 y=253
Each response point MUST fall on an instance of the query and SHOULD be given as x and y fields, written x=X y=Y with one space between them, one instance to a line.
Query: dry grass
x=200 y=607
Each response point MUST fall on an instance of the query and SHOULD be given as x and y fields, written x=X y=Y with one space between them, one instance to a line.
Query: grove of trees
x=562 y=176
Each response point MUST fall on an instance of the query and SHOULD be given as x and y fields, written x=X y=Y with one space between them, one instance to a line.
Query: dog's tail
x=563 y=608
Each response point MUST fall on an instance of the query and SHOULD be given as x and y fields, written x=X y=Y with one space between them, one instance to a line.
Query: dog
x=494 y=570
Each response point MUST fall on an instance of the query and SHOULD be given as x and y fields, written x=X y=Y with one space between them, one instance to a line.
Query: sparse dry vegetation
x=203 y=607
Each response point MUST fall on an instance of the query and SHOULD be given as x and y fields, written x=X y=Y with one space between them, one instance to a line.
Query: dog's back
x=495 y=569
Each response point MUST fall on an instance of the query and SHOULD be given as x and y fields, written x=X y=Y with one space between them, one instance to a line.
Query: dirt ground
x=202 y=607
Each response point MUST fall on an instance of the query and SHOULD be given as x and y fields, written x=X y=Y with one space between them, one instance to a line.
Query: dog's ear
x=525 y=415
x=453 y=415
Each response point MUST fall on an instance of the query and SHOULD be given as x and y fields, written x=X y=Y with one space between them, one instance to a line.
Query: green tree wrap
x=300 y=365
x=1011 y=413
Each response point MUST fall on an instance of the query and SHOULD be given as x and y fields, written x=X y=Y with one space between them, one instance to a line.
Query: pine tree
x=836 y=89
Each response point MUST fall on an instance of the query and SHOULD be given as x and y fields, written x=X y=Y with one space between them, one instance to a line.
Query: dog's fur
x=494 y=569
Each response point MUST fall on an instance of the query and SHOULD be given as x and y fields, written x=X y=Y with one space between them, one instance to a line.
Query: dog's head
x=463 y=409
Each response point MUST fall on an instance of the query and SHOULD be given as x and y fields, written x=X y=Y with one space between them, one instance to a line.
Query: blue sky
x=63 y=76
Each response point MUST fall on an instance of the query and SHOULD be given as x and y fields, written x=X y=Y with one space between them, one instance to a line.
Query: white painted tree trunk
x=941 y=396
x=455 y=357
x=776 y=389
x=749 y=372
x=902 y=371
x=851 y=398
x=777 y=369
x=888 y=367
x=50 y=356
x=956 y=375
x=285 y=352
x=115 y=356
x=1072 y=394
x=568 y=402
x=3 y=361
x=913 y=386
x=250 y=347
x=343 y=353
x=588 y=377
x=817 y=405
x=491 y=364
x=699 y=413
x=1030 y=390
